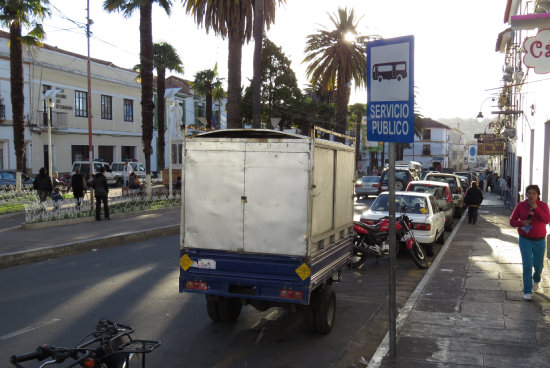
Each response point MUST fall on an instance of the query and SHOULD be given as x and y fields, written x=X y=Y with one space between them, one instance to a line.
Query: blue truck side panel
x=262 y=276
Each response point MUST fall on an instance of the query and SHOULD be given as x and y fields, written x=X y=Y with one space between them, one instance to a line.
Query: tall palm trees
x=127 y=7
x=334 y=61
x=205 y=83
x=165 y=57
x=234 y=20
x=19 y=14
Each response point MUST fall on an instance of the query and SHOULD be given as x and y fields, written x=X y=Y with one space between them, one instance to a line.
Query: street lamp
x=48 y=97
x=170 y=96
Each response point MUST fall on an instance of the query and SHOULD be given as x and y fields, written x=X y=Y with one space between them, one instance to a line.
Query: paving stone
x=482 y=283
x=511 y=285
x=484 y=296
x=472 y=308
x=509 y=335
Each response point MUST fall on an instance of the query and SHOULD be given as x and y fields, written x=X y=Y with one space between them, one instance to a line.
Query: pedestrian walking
x=78 y=184
x=504 y=191
x=481 y=180
x=489 y=182
x=127 y=171
x=473 y=199
x=531 y=217
x=43 y=184
x=101 y=194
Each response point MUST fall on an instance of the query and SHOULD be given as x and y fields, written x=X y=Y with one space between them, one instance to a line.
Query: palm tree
x=165 y=57
x=205 y=83
x=234 y=20
x=334 y=61
x=19 y=14
x=127 y=7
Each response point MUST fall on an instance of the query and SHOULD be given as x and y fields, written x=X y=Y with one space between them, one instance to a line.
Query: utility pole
x=90 y=146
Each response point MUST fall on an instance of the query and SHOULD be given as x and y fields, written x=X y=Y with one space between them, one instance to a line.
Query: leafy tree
x=127 y=7
x=17 y=15
x=280 y=94
x=334 y=61
x=165 y=57
x=234 y=20
x=205 y=84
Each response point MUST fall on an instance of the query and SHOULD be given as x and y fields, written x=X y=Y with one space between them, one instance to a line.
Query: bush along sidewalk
x=37 y=212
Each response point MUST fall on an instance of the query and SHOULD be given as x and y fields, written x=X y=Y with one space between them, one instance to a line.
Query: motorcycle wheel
x=418 y=255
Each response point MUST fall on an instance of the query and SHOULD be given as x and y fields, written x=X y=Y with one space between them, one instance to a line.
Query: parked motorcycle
x=373 y=241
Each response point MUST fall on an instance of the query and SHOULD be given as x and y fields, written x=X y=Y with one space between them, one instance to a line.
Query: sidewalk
x=468 y=310
x=23 y=245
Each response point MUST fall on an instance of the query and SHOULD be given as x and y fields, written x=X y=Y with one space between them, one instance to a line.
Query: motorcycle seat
x=370 y=228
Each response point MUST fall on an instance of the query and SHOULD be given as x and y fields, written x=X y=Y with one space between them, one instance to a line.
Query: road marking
x=28 y=329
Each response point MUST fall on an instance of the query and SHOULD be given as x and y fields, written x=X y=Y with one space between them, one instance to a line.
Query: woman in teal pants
x=530 y=217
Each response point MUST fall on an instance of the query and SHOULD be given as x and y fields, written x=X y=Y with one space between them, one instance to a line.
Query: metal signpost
x=390 y=118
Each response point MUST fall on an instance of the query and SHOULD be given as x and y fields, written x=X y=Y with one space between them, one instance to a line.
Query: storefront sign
x=491 y=148
x=537 y=52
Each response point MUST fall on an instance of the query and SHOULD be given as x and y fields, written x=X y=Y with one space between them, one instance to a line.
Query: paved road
x=58 y=300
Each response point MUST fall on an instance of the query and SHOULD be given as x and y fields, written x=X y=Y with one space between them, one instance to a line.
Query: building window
x=426 y=150
x=127 y=153
x=427 y=134
x=81 y=104
x=79 y=153
x=107 y=107
x=128 y=110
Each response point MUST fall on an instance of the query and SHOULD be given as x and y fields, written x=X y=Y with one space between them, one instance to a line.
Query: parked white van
x=84 y=168
x=118 y=170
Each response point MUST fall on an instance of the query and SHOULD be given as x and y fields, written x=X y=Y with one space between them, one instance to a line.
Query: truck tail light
x=196 y=285
x=422 y=226
x=291 y=294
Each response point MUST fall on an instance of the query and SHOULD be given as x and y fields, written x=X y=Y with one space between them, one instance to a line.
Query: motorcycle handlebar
x=41 y=352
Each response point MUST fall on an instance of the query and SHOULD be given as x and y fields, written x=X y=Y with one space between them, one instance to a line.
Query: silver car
x=367 y=185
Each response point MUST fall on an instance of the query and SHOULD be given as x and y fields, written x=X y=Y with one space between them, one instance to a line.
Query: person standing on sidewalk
x=101 y=194
x=78 y=184
x=127 y=171
x=473 y=199
x=530 y=217
x=504 y=190
x=43 y=185
x=481 y=180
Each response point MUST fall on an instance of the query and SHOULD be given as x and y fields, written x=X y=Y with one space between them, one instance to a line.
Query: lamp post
x=49 y=96
x=170 y=96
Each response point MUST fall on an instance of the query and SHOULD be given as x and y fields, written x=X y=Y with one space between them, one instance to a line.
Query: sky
x=456 y=66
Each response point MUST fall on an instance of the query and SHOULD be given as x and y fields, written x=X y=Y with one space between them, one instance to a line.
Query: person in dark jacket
x=78 y=183
x=101 y=194
x=43 y=184
x=473 y=199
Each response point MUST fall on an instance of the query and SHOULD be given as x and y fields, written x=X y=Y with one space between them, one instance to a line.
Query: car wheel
x=441 y=238
x=450 y=224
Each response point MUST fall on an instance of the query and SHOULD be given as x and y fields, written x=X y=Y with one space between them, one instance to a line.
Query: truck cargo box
x=266 y=192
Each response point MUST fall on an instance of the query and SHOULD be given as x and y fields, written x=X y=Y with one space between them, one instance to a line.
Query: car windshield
x=444 y=179
x=399 y=175
x=411 y=204
x=436 y=190
x=370 y=179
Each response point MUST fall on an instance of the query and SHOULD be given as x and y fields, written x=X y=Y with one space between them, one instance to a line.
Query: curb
x=40 y=254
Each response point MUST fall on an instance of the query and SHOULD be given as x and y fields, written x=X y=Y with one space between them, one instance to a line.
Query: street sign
x=390 y=87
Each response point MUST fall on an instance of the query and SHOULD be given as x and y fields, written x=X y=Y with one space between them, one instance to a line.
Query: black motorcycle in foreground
x=109 y=346
x=373 y=241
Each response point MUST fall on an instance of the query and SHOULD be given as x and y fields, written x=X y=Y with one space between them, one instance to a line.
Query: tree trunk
x=147 y=104
x=257 y=77
x=357 y=140
x=208 y=107
x=161 y=115
x=17 y=98
x=234 y=119
x=342 y=99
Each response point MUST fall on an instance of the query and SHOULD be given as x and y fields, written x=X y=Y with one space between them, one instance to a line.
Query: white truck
x=267 y=220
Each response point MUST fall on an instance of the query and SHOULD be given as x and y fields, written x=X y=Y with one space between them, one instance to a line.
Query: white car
x=367 y=185
x=421 y=208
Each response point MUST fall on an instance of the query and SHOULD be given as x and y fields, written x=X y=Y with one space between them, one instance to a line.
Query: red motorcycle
x=373 y=241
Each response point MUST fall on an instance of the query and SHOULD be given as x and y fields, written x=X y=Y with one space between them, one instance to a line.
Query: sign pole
x=393 y=251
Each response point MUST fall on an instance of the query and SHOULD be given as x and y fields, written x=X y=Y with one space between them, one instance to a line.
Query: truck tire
x=212 y=308
x=325 y=310
x=229 y=309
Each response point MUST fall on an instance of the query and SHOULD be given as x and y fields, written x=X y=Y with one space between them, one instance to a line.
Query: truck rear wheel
x=212 y=308
x=229 y=309
x=326 y=310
